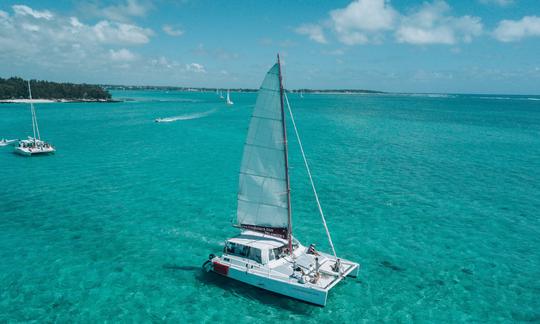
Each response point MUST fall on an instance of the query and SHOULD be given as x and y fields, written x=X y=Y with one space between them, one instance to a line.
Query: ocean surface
x=436 y=196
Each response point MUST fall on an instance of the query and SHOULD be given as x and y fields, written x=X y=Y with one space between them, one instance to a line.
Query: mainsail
x=263 y=193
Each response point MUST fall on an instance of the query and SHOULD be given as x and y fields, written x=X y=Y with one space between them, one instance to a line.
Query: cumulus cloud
x=431 y=24
x=123 y=55
x=313 y=31
x=23 y=10
x=109 y=32
x=30 y=27
x=514 y=30
x=28 y=35
x=195 y=67
x=169 y=30
x=163 y=63
x=355 y=23
x=124 y=11
x=367 y=21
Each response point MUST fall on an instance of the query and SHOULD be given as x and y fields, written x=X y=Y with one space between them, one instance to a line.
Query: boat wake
x=185 y=117
x=509 y=98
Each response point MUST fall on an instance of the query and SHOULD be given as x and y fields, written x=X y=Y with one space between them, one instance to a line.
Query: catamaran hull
x=31 y=153
x=306 y=294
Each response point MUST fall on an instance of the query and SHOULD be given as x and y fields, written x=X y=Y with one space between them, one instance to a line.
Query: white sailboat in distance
x=266 y=254
x=33 y=145
x=229 y=102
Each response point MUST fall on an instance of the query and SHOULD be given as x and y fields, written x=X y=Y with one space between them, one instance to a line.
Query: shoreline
x=26 y=101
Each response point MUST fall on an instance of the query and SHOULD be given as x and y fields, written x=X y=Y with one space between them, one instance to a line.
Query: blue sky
x=469 y=46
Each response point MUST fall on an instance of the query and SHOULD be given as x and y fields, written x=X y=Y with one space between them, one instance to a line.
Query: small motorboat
x=6 y=142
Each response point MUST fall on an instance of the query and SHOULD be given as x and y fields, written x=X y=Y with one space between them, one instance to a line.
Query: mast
x=285 y=152
x=33 y=112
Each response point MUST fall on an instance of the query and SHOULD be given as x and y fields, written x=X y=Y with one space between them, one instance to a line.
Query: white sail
x=229 y=101
x=263 y=190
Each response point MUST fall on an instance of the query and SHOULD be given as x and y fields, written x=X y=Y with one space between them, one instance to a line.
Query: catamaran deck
x=327 y=277
x=34 y=150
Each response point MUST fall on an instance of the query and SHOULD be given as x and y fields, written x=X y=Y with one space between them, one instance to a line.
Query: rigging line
x=32 y=111
x=35 y=126
x=310 y=177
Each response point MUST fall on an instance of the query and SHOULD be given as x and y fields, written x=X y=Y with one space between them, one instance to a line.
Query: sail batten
x=263 y=200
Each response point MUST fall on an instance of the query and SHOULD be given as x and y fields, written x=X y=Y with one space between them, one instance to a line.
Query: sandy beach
x=26 y=101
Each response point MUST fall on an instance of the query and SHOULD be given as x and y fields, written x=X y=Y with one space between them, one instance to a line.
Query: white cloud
x=431 y=24
x=501 y=3
x=66 y=41
x=23 y=10
x=169 y=30
x=314 y=32
x=123 y=12
x=514 y=30
x=367 y=21
x=74 y=21
x=195 y=67
x=358 y=21
x=123 y=55
x=30 y=27
x=102 y=51
x=116 y=33
x=163 y=62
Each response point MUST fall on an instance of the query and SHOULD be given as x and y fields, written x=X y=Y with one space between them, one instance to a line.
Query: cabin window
x=275 y=254
x=243 y=251
x=255 y=255
x=236 y=249
x=271 y=255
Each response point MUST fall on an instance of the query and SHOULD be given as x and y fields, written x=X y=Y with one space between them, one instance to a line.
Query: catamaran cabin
x=258 y=247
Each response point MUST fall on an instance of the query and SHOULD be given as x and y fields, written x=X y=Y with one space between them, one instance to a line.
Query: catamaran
x=266 y=254
x=229 y=102
x=33 y=145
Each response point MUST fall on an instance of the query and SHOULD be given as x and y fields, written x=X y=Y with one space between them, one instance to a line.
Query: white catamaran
x=33 y=145
x=266 y=254
x=229 y=102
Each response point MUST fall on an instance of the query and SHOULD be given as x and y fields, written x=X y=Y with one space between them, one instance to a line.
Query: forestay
x=263 y=191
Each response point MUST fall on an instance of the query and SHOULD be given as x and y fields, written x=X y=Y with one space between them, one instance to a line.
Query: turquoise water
x=438 y=198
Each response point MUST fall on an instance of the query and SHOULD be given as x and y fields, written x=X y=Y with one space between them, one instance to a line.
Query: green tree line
x=17 y=88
